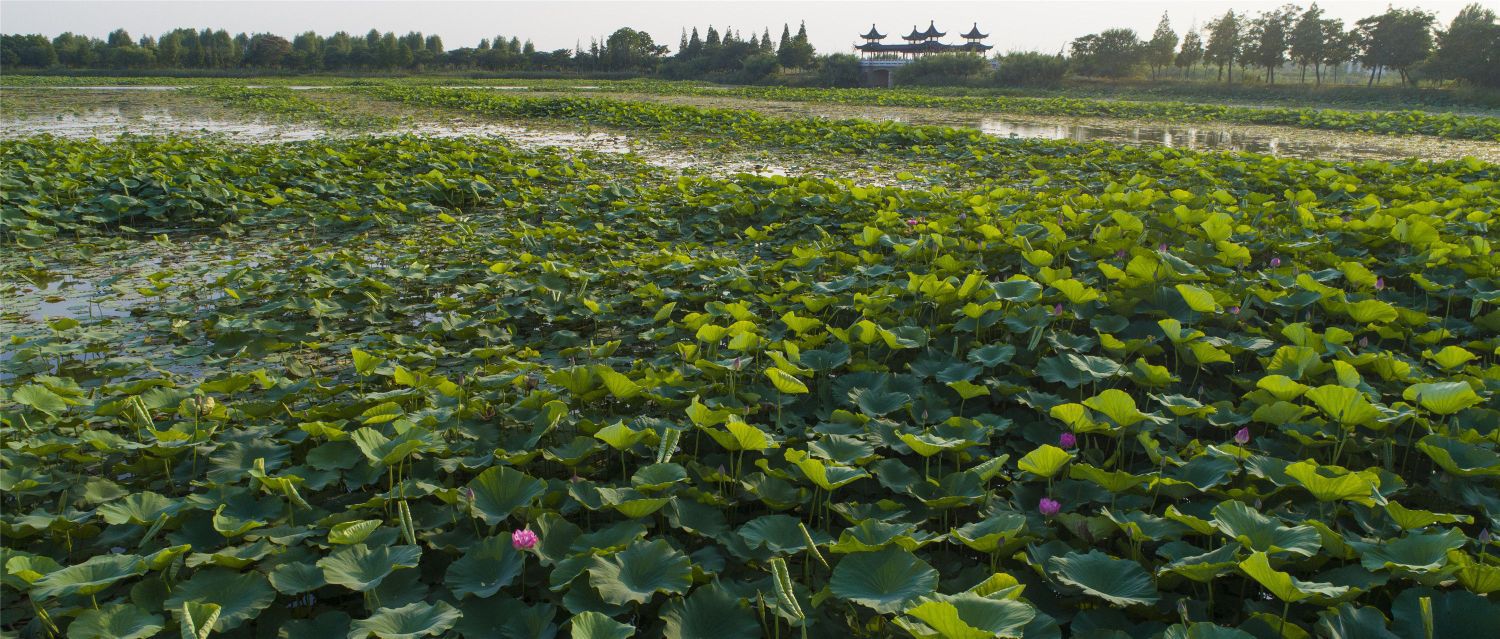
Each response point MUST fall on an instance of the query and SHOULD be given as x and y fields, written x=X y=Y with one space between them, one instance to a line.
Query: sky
x=832 y=26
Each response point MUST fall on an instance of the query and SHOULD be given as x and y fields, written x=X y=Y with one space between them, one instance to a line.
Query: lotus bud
x=1275 y=262
x=1234 y=310
x=1379 y=283
x=1484 y=537
x=1364 y=341
x=1057 y=309
x=912 y=222
x=523 y=539
x=1242 y=436
x=1048 y=506
x=1067 y=440
x=1120 y=254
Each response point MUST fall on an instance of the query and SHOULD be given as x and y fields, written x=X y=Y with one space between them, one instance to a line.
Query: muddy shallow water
x=1271 y=140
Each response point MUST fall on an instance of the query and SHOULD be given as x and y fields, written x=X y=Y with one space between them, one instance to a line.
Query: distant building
x=920 y=43
x=879 y=58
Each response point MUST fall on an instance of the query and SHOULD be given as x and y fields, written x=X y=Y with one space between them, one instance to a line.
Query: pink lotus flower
x=1379 y=283
x=1057 y=309
x=1120 y=254
x=523 y=539
x=1234 y=310
x=1048 y=506
x=1275 y=262
x=1067 y=440
x=913 y=222
x=1242 y=436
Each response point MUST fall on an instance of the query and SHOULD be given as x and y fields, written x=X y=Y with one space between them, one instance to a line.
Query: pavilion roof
x=974 y=33
x=873 y=34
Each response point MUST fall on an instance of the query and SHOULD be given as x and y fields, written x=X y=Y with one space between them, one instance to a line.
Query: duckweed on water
x=759 y=406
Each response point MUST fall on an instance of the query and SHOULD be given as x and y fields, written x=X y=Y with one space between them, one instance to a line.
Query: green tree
x=1267 y=45
x=1112 y=53
x=1308 y=42
x=628 y=50
x=267 y=50
x=1163 y=44
x=1223 y=43
x=1191 y=52
x=1469 y=50
x=1397 y=39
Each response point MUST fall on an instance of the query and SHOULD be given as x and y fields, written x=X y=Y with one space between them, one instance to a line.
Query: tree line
x=626 y=50
x=1404 y=42
x=215 y=50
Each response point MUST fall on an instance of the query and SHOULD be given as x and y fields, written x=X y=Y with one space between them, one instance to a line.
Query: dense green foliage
x=748 y=406
x=1474 y=127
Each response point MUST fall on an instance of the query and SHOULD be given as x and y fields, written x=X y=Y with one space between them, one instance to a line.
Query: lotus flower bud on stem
x=523 y=539
x=1049 y=506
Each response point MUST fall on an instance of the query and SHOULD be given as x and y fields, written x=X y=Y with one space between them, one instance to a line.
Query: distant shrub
x=957 y=68
x=1031 y=69
x=838 y=70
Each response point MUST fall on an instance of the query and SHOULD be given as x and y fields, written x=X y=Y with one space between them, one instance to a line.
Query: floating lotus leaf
x=91 y=576
x=593 y=625
x=710 y=613
x=485 y=567
x=637 y=573
x=407 y=622
x=1261 y=533
x=1283 y=585
x=1119 y=581
x=969 y=616
x=121 y=621
x=360 y=567
x=240 y=596
x=885 y=580
x=500 y=490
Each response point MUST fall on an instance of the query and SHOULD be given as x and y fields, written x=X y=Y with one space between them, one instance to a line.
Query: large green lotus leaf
x=1417 y=552
x=141 y=508
x=383 y=451
x=1283 y=585
x=352 y=532
x=505 y=617
x=1412 y=519
x=411 y=621
x=886 y=580
x=969 y=616
x=360 y=567
x=1348 y=621
x=1119 y=581
x=637 y=573
x=1345 y=405
x=485 y=568
x=329 y=625
x=1261 y=533
x=1197 y=299
x=500 y=490
x=594 y=625
x=1117 y=405
x=240 y=596
x=1204 y=567
x=1076 y=370
x=876 y=402
x=1115 y=481
x=1460 y=458
x=1456 y=614
x=1143 y=527
x=1205 y=630
x=1443 y=398
x=1281 y=387
x=988 y=534
x=296 y=578
x=95 y=574
x=1045 y=461
x=781 y=534
x=120 y=621
x=1329 y=483
x=710 y=613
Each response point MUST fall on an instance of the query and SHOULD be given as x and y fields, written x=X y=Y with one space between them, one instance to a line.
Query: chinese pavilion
x=919 y=43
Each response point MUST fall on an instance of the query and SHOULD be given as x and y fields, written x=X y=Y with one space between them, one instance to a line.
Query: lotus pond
x=412 y=385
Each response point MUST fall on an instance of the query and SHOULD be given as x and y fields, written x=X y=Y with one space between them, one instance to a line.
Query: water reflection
x=1187 y=137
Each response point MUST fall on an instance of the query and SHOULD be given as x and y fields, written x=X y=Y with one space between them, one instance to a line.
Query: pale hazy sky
x=833 y=26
